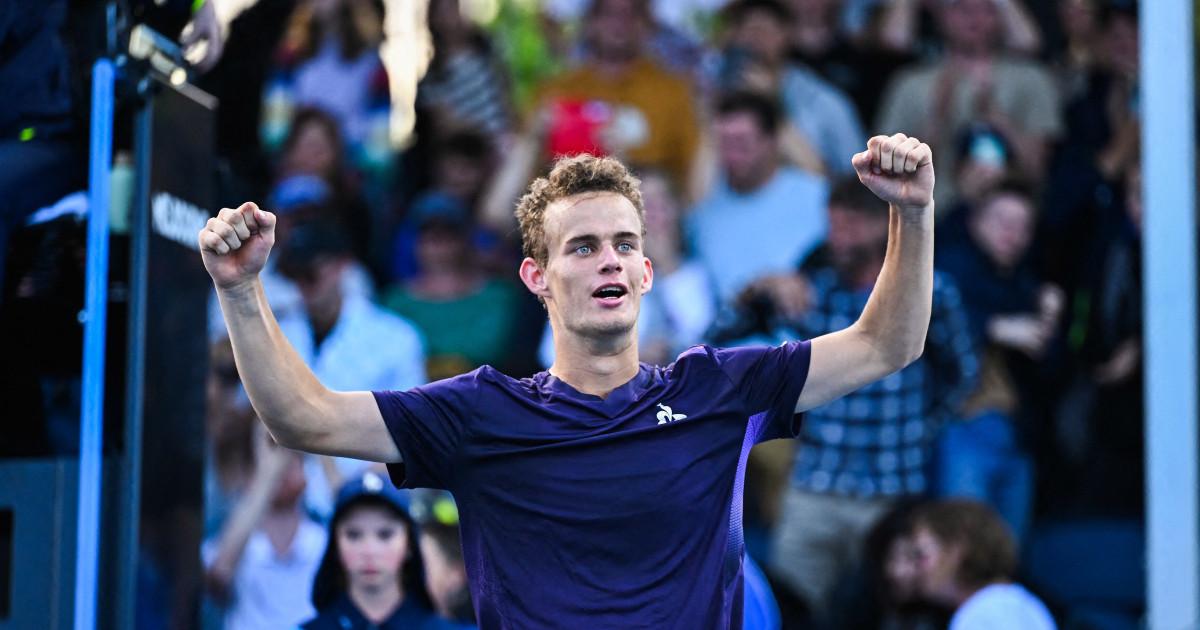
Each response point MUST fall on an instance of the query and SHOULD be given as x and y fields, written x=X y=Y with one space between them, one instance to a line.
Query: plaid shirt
x=876 y=441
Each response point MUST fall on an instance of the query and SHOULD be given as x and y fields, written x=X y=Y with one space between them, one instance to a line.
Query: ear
x=647 y=276
x=534 y=278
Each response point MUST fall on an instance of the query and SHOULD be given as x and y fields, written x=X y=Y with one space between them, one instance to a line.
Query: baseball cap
x=373 y=485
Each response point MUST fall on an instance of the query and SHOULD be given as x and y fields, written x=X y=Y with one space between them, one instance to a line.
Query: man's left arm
x=890 y=332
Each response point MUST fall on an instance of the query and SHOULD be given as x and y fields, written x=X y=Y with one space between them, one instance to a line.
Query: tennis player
x=602 y=493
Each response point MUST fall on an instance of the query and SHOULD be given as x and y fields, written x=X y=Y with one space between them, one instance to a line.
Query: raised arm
x=296 y=408
x=890 y=333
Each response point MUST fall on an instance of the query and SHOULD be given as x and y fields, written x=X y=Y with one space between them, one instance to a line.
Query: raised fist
x=235 y=243
x=898 y=169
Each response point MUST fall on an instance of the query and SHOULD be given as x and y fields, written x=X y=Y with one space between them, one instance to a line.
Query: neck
x=325 y=319
x=813 y=36
x=864 y=275
x=613 y=66
x=962 y=593
x=759 y=179
x=976 y=53
x=377 y=603
x=445 y=283
x=595 y=366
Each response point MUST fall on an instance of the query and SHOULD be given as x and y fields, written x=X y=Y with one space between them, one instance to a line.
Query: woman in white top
x=967 y=557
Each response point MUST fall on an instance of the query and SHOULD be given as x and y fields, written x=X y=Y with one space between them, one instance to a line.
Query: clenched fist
x=898 y=169
x=235 y=243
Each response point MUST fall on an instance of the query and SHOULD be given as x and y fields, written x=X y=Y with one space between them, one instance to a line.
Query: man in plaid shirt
x=861 y=452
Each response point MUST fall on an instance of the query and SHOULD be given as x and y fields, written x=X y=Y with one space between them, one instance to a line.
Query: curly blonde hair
x=572 y=176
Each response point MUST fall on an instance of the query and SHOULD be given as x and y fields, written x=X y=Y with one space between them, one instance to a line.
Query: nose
x=610 y=262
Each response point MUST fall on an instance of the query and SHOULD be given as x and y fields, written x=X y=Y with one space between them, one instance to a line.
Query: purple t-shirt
x=586 y=512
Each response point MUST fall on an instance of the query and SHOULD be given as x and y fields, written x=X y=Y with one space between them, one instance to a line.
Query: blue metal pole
x=92 y=409
x=1171 y=335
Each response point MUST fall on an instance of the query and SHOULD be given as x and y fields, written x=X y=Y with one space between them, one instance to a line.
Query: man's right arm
x=296 y=408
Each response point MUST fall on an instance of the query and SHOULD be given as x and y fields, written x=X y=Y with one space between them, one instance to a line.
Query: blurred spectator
x=757 y=59
x=975 y=82
x=1080 y=23
x=372 y=573
x=348 y=342
x=329 y=59
x=618 y=102
x=966 y=560
x=674 y=37
x=261 y=565
x=884 y=593
x=1010 y=310
x=1099 y=442
x=464 y=85
x=445 y=571
x=1102 y=143
x=464 y=315
x=1018 y=30
x=230 y=425
x=313 y=174
x=735 y=232
x=460 y=166
x=860 y=453
x=855 y=63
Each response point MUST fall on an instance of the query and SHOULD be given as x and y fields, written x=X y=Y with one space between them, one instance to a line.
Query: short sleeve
x=769 y=381
x=428 y=424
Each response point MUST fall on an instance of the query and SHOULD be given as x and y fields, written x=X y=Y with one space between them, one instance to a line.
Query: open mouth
x=610 y=293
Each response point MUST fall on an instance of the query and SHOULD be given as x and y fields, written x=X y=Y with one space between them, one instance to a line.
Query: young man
x=602 y=493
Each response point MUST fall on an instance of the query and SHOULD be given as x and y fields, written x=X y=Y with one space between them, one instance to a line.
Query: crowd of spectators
x=907 y=504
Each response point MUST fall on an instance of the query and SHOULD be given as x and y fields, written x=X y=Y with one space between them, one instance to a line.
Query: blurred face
x=320 y=288
x=1003 y=229
x=763 y=35
x=373 y=545
x=460 y=176
x=444 y=579
x=902 y=571
x=615 y=29
x=441 y=247
x=937 y=566
x=977 y=177
x=1121 y=46
x=747 y=152
x=970 y=25
x=662 y=210
x=1078 y=18
x=596 y=272
x=855 y=237
x=314 y=152
x=445 y=17
x=814 y=9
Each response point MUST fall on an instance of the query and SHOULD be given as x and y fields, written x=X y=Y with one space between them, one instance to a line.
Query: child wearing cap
x=372 y=575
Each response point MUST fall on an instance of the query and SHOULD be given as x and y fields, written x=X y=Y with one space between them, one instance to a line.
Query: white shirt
x=269 y=590
x=368 y=348
x=1002 y=607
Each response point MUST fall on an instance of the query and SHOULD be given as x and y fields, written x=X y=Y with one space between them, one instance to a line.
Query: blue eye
x=625 y=248
x=583 y=250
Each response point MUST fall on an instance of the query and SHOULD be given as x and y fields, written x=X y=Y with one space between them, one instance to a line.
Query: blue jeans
x=980 y=459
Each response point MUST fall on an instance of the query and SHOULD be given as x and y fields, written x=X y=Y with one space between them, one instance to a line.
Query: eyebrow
x=591 y=238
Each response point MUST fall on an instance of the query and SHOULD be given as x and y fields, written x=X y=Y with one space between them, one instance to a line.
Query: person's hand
x=202 y=39
x=789 y=292
x=898 y=169
x=234 y=244
x=1028 y=334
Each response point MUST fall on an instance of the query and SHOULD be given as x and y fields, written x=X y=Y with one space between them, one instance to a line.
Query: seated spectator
x=229 y=425
x=459 y=170
x=464 y=85
x=445 y=569
x=371 y=575
x=261 y=564
x=861 y=453
x=966 y=561
x=975 y=81
x=735 y=232
x=465 y=316
x=618 y=102
x=853 y=62
x=757 y=59
x=348 y=342
x=329 y=59
x=1010 y=311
